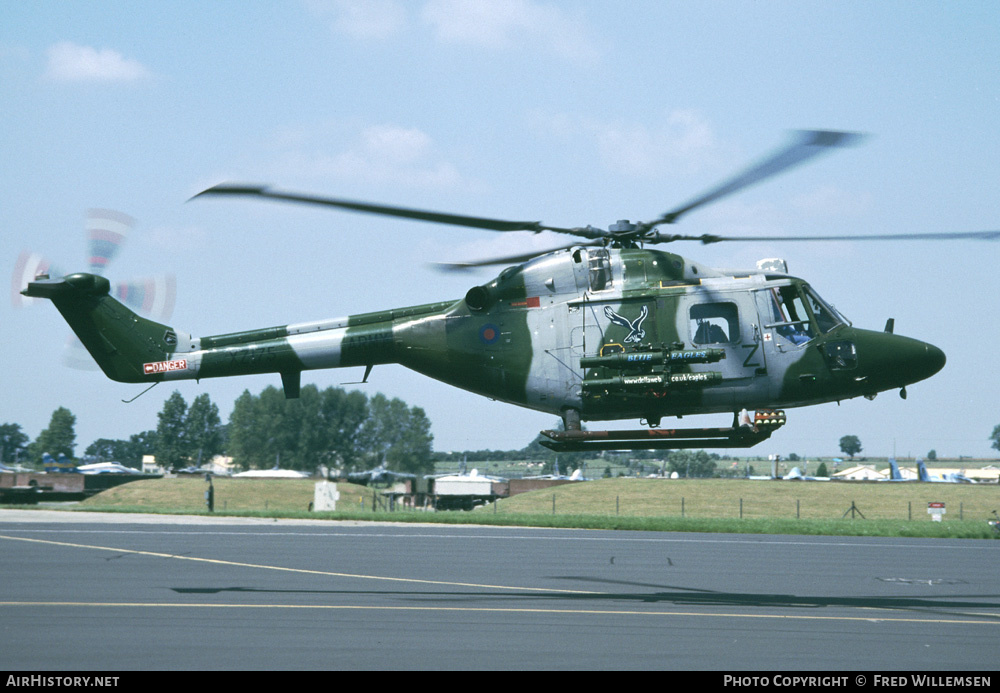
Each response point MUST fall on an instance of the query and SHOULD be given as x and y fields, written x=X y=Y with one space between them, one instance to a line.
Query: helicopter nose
x=887 y=361
x=932 y=361
x=907 y=360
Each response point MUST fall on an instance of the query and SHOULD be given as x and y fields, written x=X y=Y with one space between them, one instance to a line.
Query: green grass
x=723 y=498
x=688 y=505
x=233 y=496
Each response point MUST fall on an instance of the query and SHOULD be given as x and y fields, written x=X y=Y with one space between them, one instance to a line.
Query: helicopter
x=603 y=329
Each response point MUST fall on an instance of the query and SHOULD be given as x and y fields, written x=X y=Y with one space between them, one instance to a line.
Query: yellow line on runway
x=605 y=612
x=294 y=570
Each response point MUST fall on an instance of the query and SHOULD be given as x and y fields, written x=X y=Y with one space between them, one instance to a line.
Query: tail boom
x=132 y=349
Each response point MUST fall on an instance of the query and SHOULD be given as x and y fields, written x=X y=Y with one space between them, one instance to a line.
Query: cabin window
x=715 y=323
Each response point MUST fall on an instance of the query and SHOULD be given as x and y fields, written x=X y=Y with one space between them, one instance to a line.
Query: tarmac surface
x=110 y=592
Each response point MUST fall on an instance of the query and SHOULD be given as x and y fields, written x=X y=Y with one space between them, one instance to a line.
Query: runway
x=125 y=592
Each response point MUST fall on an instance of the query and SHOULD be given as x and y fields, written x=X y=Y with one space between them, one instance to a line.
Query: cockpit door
x=785 y=323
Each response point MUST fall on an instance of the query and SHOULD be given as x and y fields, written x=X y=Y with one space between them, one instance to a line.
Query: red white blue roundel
x=489 y=333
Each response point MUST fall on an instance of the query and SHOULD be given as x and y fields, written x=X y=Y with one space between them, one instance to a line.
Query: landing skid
x=736 y=436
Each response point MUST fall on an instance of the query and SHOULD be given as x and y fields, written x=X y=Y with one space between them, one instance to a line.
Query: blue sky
x=571 y=113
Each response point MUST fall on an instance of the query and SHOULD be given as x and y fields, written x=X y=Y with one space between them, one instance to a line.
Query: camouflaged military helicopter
x=600 y=330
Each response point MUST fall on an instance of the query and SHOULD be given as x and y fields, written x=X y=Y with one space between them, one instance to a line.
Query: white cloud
x=681 y=141
x=364 y=19
x=377 y=154
x=501 y=24
x=69 y=62
x=395 y=145
x=491 y=24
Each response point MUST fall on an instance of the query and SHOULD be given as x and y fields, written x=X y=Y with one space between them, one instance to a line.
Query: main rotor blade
x=807 y=144
x=657 y=237
x=264 y=192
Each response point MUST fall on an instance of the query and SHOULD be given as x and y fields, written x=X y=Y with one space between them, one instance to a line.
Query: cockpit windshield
x=797 y=314
x=826 y=315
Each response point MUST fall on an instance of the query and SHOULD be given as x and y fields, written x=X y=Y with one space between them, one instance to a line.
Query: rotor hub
x=623 y=226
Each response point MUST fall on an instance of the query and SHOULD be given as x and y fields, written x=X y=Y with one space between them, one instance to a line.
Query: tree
x=106 y=449
x=129 y=452
x=850 y=445
x=13 y=442
x=140 y=445
x=690 y=464
x=995 y=437
x=185 y=435
x=203 y=429
x=282 y=421
x=59 y=437
x=822 y=470
x=172 y=448
x=398 y=435
x=268 y=428
x=932 y=455
x=245 y=434
x=415 y=444
x=317 y=428
x=341 y=415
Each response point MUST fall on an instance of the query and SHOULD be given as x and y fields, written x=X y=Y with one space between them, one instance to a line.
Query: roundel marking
x=489 y=333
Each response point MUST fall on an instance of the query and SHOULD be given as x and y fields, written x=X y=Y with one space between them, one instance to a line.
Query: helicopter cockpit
x=798 y=315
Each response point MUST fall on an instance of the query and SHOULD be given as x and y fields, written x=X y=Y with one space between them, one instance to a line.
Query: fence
x=719 y=498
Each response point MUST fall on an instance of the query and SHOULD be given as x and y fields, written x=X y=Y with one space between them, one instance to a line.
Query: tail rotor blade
x=29 y=265
x=106 y=231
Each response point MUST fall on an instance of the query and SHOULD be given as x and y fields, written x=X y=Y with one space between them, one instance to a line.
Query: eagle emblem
x=636 y=333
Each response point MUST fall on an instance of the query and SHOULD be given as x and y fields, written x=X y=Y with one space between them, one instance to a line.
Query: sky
x=571 y=113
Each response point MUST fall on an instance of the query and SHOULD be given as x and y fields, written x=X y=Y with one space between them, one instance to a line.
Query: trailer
x=465 y=491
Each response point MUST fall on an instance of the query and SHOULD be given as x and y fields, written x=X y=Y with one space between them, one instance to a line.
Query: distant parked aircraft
x=577 y=475
x=954 y=478
x=106 y=468
x=894 y=473
x=66 y=465
x=797 y=475
x=379 y=475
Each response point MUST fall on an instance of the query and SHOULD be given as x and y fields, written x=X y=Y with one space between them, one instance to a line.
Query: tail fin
x=894 y=475
x=922 y=471
x=118 y=339
x=52 y=466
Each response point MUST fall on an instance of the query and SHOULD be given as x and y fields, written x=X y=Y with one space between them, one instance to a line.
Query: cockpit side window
x=790 y=319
